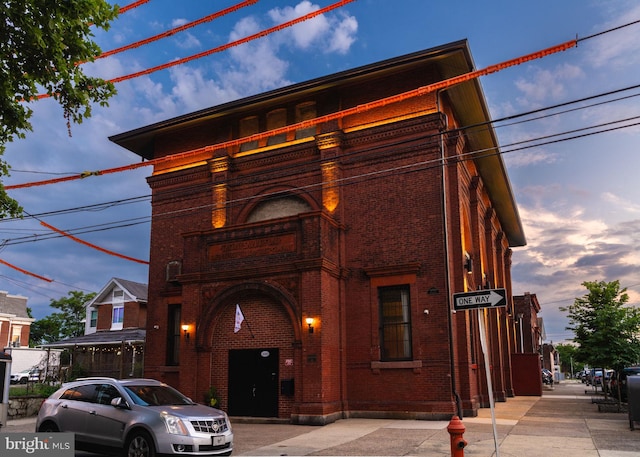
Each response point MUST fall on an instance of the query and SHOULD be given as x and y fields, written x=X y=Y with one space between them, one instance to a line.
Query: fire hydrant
x=456 y=430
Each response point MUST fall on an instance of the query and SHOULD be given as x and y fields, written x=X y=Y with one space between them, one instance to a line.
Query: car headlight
x=174 y=425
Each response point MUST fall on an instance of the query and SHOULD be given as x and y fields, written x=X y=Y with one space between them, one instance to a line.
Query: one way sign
x=486 y=298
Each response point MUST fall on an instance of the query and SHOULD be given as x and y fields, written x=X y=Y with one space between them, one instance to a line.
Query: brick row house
x=306 y=243
x=527 y=356
x=15 y=323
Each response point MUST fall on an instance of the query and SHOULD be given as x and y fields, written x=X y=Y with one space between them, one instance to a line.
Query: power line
x=505 y=149
x=313 y=122
x=355 y=179
x=475 y=152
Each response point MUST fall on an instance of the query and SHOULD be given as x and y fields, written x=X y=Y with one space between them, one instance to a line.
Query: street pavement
x=568 y=419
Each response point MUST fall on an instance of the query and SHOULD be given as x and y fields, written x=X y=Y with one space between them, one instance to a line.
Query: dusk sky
x=573 y=161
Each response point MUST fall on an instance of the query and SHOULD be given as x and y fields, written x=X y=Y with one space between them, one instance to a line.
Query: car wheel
x=23 y=381
x=48 y=427
x=140 y=444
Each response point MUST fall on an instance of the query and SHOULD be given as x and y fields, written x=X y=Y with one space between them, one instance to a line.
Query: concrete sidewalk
x=564 y=421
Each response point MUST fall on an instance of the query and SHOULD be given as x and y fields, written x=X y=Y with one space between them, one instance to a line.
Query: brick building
x=527 y=355
x=529 y=329
x=15 y=323
x=323 y=213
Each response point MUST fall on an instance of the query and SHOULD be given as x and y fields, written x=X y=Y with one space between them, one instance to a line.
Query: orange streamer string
x=25 y=271
x=98 y=248
x=182 y=28
x=130 y=6
x=224 y=47
x=319 y=120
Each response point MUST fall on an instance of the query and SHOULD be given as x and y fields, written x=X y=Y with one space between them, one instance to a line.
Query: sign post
x=482 y=299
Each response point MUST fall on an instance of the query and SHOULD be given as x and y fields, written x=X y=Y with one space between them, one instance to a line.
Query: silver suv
x=141 y=417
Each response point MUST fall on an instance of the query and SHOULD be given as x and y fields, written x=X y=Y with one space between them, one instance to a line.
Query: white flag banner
x=239 y=319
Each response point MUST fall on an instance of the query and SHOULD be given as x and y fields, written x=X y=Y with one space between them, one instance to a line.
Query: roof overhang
x=467 y=100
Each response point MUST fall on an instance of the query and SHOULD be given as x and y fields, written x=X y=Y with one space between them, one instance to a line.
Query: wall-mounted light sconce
x=468 y=263
x=185 y=330
x=309 y=321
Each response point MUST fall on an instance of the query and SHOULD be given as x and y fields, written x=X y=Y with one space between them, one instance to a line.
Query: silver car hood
x=195 y=410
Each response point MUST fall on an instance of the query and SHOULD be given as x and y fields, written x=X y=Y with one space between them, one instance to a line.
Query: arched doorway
x=253 y=369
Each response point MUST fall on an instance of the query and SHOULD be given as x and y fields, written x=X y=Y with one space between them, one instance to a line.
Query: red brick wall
x=388 y=229
x=104 y=317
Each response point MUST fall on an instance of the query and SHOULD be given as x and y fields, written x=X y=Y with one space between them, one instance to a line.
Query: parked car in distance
x=25 y=376
x=135 y=418
x=547 y=377
x=612 y=387
x=594 y=377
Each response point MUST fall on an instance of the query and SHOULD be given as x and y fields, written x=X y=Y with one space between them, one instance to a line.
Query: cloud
x=567 y=246
x=621 y=203
x=253 y=67
x=331 y=33
x=546 y=85
x=617 y=49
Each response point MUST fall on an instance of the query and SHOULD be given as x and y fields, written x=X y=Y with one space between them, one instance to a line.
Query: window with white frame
x=117 y=317
x=15 y=335
x=93 y=318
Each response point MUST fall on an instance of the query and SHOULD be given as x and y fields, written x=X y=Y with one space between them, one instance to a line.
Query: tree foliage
x=66 y=323
x=568 y=362
x=605 y=327
x=42 y=44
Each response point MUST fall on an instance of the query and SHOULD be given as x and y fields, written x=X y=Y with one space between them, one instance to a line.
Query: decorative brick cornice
x=329 y=140
x=276 y=157
x=430 y=123
x=219 y=165
x=179 y=177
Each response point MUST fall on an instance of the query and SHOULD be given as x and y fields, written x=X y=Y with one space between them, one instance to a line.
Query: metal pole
x=487 y=367
x=521 y=336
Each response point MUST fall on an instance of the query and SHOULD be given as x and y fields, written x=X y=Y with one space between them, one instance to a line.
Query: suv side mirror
x=118 y=402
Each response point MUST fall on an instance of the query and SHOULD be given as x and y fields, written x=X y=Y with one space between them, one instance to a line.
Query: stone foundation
x=20 y=407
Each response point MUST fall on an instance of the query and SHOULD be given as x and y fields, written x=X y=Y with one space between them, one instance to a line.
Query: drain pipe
x=445 y=223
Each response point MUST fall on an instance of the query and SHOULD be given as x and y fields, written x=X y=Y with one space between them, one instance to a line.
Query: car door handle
x=92 y=412
x=65 y=406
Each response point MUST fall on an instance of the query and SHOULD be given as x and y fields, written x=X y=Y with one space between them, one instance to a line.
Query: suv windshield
x=146 y=395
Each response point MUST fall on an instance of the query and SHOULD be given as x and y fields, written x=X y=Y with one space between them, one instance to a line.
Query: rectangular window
x=276 y=119
x=15 y=336
x=249 y=126
x=173 y=335
x=117 y=317
x=395 y=323
x=93 y=323
x=305 y=112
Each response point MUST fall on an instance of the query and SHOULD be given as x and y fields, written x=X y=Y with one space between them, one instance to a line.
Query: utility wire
x=617 y=28
x=101 y=206
x=356 y=179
